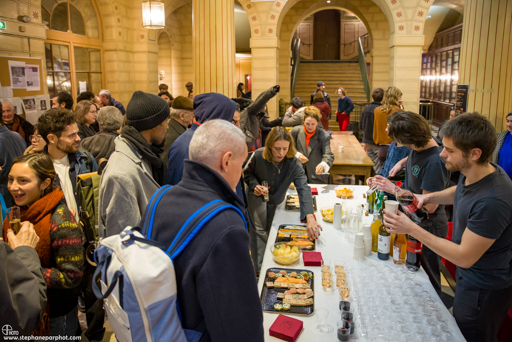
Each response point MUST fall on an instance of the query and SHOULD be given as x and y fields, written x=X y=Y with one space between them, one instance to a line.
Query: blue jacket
x=215 y=278
x=345 y=105
x=117 y=104
x=206 y=107
x=12 y=145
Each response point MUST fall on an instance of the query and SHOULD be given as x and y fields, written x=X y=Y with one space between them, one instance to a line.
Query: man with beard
x=481 y=246
x=134 y=171
x=59 y=130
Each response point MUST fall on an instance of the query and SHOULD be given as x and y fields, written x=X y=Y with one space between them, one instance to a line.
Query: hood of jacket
x=212 y=106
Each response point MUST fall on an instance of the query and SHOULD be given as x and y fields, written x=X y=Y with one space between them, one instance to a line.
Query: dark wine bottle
x=399 y=177
x=384 y=239
x=413 y=259
x=410 y=204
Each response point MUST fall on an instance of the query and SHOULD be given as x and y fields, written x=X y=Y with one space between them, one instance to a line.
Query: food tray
x=269 y=296
x=288 y=239
x=290 y=206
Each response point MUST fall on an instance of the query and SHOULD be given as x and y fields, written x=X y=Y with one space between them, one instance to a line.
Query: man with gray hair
x=182 y=117
x=101 y=145
x=108 y=100
x=221 y=247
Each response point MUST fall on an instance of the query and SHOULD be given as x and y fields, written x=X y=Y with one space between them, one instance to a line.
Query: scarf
x=151 y=153
x=308 y=136
x=39 y=214
x=16 y=126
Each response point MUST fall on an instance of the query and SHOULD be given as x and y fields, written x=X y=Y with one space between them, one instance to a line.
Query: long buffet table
x=333 y=246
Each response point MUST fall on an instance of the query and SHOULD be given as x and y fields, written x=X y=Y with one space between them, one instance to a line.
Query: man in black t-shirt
x=482 y=230
x=425 y=172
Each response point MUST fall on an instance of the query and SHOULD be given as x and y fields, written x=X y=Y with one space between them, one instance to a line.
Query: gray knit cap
x=146 y=111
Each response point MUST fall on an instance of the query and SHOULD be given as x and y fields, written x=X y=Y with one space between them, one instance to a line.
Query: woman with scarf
x=276 y=164
x=313 y=147
x=323 y=107
x=32 y=184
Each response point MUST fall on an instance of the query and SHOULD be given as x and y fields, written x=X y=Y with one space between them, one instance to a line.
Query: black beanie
x=146 y=111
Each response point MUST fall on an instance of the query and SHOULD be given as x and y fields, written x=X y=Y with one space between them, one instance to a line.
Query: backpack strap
x=151 y=208
x=195 y=222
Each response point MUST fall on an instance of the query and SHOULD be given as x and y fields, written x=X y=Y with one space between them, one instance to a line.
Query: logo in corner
x=7 y=330
x=416 y=170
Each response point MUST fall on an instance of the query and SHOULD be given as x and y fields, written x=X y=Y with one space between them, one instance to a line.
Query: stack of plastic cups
x=336 y=219
x=359 y=247
x=367 y=233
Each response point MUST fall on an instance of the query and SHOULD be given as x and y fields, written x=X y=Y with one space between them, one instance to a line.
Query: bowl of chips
x=327 y=214
x=344 y=192
x=285 y=255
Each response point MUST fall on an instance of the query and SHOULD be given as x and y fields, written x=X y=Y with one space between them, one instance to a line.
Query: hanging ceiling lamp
x=153 y=14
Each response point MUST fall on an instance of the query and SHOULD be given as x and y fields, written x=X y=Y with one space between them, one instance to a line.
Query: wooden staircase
x=334 y=74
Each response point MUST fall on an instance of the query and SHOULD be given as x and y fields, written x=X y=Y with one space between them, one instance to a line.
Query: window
x=88 y=69
x=78 y=17
x=58 y=75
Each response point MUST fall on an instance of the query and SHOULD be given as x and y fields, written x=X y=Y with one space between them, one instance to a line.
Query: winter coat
x=318 y=152
x=327 y=98
x=126 y=187
x=100 y=145
x=22 y=288
x=24 y=128
x=85 y=131
x=173 y=132
x=380 y=136
x=215 y=278
x=501 y=140
x=117 y=104
x=325 y=111
x=12 y=145
x=366 y=122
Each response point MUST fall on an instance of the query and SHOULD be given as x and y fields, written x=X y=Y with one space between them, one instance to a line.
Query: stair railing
x=294 y=63
x=364 y=74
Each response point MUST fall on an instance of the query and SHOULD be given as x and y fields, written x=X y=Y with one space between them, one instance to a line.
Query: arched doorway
x=164 y=60
x=73 y=48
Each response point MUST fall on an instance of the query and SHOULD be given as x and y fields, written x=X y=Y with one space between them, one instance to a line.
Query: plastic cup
x=391 y=206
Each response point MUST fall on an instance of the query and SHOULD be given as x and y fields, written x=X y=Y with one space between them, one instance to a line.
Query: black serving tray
x=288 y=206
x=269 y=296
x=288 y=239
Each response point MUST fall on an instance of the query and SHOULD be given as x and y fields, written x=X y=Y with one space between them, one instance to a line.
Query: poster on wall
x=17 y=73
x=32 y=77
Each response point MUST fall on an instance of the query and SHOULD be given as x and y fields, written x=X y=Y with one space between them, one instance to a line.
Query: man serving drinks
x=482 y=227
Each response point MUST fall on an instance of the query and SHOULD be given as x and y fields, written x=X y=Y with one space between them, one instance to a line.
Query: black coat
x=214 y=274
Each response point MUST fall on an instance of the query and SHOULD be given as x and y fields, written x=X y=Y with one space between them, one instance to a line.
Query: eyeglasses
x=35 y=138
x=234 y=122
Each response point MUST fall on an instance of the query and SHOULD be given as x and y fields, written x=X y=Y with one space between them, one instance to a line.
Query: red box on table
x=286 y=328
x=314 y=191
x=312 y=258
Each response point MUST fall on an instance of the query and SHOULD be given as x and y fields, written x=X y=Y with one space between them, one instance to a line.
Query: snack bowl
x=285 y=255
x=327 y=214
x=344 y=192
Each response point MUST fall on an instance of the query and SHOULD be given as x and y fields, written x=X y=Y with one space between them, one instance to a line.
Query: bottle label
x=413 y=247
x=396 y=253
x=411 y=208
x=384 y=244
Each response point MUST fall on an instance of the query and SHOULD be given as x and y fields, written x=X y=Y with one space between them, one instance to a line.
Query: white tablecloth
x=333 y=247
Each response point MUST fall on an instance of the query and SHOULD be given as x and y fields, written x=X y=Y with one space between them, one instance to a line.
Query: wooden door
x=305 y=33
x=326 y=33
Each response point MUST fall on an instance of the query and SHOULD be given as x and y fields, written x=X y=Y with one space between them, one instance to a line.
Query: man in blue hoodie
x=206 y=107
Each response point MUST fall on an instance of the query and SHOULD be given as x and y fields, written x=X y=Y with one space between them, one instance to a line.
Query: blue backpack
x=137 y=278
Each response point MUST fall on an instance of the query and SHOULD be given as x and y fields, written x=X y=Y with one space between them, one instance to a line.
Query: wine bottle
x=413 y=259
x=384 y=242
x=371 y=202
x=399 y=177
x=400 y=249
x=379 y=200
x=410 y=204
x=377 y=220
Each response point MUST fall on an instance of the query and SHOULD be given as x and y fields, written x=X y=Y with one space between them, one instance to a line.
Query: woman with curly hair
x=32 y=184
x=390 y=104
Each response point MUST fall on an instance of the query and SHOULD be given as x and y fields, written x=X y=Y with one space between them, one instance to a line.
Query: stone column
x=265 y=70
x=405 y=68
x=485 y=58
x=213 y=42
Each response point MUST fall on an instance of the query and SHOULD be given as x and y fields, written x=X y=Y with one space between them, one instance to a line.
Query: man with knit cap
x=206 y=107
x=182 y=117
x=134 y=171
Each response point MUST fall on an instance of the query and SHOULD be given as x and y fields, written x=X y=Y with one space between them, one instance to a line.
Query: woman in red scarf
x=313 y=147
x=32 y=185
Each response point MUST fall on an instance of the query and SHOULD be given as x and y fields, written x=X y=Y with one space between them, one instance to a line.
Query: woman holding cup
x=275 y=164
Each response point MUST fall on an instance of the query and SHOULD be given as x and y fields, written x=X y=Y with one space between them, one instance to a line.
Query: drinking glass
x=323 y=326
x=14 y=219
x=343 y=331
x=265 y=185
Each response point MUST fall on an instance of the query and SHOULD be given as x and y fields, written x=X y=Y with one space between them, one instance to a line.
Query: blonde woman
x=86 y=114
x=390 y=104
x=276 y=164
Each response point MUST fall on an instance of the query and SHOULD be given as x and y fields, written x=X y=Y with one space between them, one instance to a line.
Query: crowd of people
x=200 y=145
